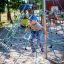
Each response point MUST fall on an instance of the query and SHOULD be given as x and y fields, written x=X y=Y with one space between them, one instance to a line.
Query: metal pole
x=44 y=13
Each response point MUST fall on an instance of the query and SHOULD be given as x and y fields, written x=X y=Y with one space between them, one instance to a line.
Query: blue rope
x=57 y=58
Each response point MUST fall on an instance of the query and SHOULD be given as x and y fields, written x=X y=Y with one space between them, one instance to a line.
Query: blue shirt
x=38 y=26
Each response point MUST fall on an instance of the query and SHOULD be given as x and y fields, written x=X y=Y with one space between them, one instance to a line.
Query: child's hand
x=27 y=29
x=38 y=29
x=33 y=28
x=28 y=25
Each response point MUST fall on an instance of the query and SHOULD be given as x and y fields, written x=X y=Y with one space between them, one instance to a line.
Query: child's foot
x=42 y=50
x=33 y=51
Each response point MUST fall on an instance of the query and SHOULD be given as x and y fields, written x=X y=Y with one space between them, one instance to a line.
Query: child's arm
x=27 y=27
x=38 y=29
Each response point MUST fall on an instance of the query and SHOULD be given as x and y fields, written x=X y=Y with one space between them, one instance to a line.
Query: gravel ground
x=12 y=51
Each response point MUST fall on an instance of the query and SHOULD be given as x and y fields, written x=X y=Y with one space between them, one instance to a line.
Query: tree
x=2 y=7
x=8 y=11
x=15 y=4
x=12 y=4
x=38 y=4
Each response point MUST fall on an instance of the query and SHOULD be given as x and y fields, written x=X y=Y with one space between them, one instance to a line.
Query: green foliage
x=36 y=1
x=2 y=5
x=37 y=4
x=14 y=4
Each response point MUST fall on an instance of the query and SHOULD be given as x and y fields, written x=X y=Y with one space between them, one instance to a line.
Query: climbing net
x=14 y=37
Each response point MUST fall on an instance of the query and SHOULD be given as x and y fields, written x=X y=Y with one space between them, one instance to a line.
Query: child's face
x=32 y=22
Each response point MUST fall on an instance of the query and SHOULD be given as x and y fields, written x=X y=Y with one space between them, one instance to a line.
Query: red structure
x=59 y=3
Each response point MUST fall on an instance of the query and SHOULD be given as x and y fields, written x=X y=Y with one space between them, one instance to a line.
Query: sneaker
x=33 y=51
x=42 y=50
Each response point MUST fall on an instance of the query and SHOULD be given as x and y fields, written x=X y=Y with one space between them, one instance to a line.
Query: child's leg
x=31 y=41
x=40 y=39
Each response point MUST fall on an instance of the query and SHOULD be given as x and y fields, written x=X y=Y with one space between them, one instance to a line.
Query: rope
x=53 y=2
x=17 y=27
x=12 y=33
x=59 y=4
x=55 y=43
x=37 y=60
x=58 y=59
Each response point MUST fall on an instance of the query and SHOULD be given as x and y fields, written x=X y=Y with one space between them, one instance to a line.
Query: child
x=36 y=30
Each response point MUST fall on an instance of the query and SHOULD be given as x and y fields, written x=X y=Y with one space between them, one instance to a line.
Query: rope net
x=15 y=48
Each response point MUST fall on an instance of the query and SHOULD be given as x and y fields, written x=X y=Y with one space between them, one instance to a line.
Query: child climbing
x=36 y=31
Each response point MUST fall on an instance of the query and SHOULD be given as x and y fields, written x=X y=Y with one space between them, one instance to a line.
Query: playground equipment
x=14 y=27
x=24 y=22
x=27 y=8
x=52 y=37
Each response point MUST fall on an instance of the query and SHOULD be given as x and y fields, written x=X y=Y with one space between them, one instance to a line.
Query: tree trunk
x=9 y=14
x=0 y=21
x=9 y=17
x=0 y=17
